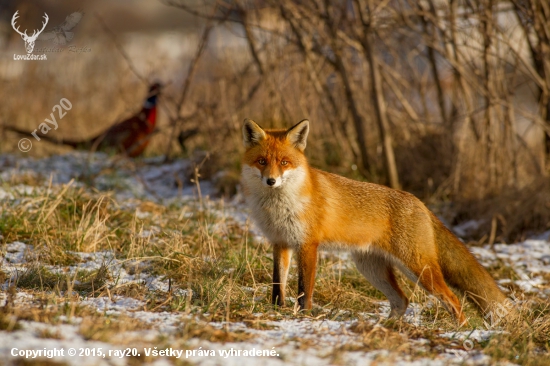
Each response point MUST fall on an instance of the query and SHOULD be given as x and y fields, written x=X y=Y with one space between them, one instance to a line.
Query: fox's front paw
x=301 y=303
x=396 y=314
x=278 y=301
x=304 y=303
x=277 y=297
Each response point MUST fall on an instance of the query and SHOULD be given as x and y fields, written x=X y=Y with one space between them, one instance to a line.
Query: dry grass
x=511 y=216
x=226 y=276
x=38 y=277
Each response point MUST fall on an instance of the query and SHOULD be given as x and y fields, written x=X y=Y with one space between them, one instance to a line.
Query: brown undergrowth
x=215 y=271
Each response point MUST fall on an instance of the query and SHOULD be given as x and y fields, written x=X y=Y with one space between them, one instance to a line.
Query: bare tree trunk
x=433 y=63
x=534 y=17
x=358 y=121
x=377 y=93
x=381 y=115
x=462 y=92
x=489 y=131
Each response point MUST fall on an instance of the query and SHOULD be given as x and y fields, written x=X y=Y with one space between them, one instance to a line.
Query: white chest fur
x=277 y=211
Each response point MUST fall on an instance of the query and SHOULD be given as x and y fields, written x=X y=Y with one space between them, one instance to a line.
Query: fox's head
x=274 y=157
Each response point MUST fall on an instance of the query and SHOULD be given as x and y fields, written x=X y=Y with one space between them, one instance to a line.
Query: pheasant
x=132 y=136
x=129 y=137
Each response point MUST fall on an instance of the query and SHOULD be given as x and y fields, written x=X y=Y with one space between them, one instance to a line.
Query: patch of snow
x=476 y=335
x=5 y=195
x=529 y=260
x=153 y=230
x=117 y=303
x=15 y=252
x=149 y=179
x=21 y=298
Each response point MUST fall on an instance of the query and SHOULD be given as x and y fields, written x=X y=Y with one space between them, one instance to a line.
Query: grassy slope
x=211 y=270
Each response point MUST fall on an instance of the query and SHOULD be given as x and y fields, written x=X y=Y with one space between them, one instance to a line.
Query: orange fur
x=303 y=209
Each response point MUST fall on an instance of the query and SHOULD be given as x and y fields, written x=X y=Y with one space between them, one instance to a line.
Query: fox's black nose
x=270 y=181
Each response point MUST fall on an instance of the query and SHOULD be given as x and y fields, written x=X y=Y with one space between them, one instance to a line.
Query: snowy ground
x=292 y=341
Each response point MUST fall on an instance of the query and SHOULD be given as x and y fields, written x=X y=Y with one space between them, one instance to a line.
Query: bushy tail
x=462 y=270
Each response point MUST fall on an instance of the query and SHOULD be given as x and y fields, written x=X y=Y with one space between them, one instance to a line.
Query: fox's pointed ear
x=252 y=133
x=297 y=135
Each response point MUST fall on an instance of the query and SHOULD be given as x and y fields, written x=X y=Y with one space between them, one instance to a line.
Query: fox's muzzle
x=272 y=182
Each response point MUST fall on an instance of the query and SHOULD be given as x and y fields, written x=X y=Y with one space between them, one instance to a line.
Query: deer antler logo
x=29 y=40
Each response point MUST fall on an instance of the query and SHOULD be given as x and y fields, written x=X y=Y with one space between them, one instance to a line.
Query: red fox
x=302 y=209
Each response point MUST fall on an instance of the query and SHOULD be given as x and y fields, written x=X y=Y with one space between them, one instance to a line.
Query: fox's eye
x=262 y=161
x=284 y=162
